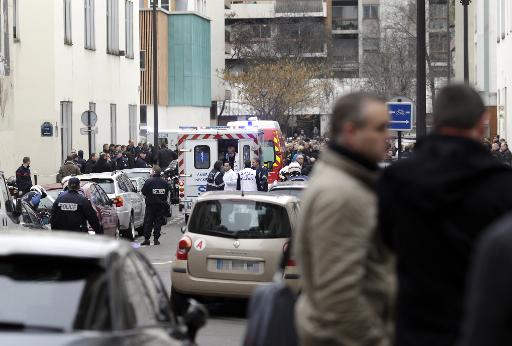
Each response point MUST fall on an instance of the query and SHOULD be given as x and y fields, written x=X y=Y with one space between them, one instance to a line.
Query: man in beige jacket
x=346 y=271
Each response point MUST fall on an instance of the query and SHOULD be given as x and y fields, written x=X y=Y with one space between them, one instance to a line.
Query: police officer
x=247 y=178
x=215 y=180
x=261 y=174
x=71 y=211
x=34 y=196
x=156 y=190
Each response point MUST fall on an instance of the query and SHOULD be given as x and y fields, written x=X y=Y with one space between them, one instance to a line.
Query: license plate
x=238 y=266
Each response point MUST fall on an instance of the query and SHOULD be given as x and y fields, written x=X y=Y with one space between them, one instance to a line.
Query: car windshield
x=296 y=192
x=135 y=175
x=51 y=196
x=67 y=289
x=240 y=219
x=106 y=184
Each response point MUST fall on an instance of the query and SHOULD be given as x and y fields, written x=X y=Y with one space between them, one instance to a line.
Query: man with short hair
x=89 y=165
x=261 y=174
x=71 y=211
x=156 y=190
x=347 y=282
x=215 y=181
x=247 y=178
x=80 y=162
x=230 y=177
x=68 y=169
x=23 y=177
x=434 y=206
x=140 y=161
x=166 y=156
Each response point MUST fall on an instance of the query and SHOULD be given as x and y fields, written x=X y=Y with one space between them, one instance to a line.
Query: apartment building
x=59 y=59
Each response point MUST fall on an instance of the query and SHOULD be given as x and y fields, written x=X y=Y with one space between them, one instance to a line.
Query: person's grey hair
x=349 y=109
x=458 y=106
x=157 y=170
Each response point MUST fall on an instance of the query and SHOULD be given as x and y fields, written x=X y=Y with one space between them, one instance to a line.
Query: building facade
x=60 y=59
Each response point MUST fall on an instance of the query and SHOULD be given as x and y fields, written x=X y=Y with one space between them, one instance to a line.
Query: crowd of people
x=117 y=157
x=499 y=149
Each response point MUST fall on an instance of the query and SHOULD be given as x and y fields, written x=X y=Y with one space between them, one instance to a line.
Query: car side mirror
x=195 y=318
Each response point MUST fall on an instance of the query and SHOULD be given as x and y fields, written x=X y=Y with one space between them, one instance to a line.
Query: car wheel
x=179 y=302
x=130 y=233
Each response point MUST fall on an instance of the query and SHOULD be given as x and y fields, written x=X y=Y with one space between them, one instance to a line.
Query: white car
x=130 y=204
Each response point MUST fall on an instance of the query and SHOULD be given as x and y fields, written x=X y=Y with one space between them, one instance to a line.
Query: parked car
x=233 y=243
x=9 y=218
x=292 y=188
x=138 y=183
x=63 y=288
x=130 y=205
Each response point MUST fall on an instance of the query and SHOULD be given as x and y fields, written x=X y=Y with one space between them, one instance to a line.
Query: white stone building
x=61 y=59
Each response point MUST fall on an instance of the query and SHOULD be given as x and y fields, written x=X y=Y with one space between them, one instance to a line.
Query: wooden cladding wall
x=146 y=47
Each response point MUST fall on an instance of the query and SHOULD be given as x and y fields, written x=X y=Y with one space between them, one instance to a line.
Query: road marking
x=161 y=263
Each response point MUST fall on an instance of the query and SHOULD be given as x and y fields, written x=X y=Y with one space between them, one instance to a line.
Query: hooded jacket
x=432 y=208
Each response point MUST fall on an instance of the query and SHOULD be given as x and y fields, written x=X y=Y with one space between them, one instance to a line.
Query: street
x=226 y=324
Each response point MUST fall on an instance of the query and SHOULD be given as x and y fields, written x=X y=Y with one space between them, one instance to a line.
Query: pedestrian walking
x=71 y=211
x=247 y=178
x=68 y=169
x=24 y=177
x=215 y=180
x=230 y=177
x=156 y=190
x=433 y=208
x=89 y=165
x=261 y=174
x=347 y=281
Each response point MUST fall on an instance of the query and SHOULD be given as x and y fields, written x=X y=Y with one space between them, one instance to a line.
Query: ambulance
x=200 y=147
x=273 y=145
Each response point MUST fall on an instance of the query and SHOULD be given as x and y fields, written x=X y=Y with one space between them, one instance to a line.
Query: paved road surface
x=226 y=325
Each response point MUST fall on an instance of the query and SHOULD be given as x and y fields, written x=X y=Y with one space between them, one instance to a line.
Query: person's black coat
x=156 y=190
x=23 y=179
x=505 y=157
x=432 y=209
x=89 y=166
x=102 y=166
x=140 y=163
x=488 y=300
x=165 y=157
x=71 y=212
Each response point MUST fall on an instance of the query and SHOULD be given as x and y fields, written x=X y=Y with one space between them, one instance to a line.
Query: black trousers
x=153 y=220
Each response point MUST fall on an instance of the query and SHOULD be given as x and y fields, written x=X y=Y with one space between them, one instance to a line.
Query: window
x=113 y=27
x=143 y=114
x=67 y=23
x=345 y=18
x=122 y=185
x=246 y=153
x=113 y=124
x=371 y=44
x=132 y=115
x=129 y=29
x=66 y=128
x=202 y=157
x=16 y=21
x=371 y=11
x=268 y=155
x=163 y=4
x=142 y=60
x=89 y=25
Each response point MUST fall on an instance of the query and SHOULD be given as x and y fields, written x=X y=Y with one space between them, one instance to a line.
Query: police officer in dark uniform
x=71 y=211
x=215 y=180
x=156 y=190
x=261 y=174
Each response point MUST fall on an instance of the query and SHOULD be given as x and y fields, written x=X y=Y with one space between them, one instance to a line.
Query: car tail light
x=119 y=202
x=290 y=262
x=184 y=246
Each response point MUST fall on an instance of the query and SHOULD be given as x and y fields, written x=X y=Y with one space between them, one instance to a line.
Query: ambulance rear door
x=200 y=156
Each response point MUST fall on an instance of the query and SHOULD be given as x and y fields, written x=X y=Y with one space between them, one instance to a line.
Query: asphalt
x=227 y=321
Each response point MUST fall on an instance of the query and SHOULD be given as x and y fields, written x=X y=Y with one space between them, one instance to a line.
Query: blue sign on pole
x=401 y=116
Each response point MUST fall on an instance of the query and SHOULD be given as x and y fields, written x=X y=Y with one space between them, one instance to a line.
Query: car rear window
x=240 y=219
x=106 y=184
x=51 y=293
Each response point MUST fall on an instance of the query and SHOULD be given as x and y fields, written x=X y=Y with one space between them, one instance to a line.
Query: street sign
x=86 y=131
x=47 y=129
x=89 y=118
x=401 y=114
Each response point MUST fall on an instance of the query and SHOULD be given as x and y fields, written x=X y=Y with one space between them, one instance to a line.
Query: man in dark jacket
x=215 y=181
x=156 y=190
x=432 y=209
x=504 y=155
x=23 y=177
x=67 y=169
x=166 y=156
x=140 y=162
x=80 y=162
x=261 y=174
x=102 y=165
x=89 y=165
x=71 y=211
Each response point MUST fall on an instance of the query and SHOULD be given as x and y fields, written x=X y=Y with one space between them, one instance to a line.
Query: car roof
x=105 y=175
x=50 y=187
x=298 y=184
x=137 y=170
x=249 y=196
x=54 y=243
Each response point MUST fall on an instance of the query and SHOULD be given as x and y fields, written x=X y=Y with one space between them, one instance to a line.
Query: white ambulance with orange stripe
x=199 y=148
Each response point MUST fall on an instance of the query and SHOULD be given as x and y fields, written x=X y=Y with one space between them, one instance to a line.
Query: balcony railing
x=299 y=6
x=344 y=24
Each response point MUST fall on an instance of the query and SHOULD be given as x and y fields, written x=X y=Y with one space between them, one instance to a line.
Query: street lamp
x=466 y=3
x=154 y=17
x=421 y=70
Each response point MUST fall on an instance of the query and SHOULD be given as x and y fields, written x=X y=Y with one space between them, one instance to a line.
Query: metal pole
x=465 y=3
x=155 y=79
x=89 y=134
x=399 y=145
x=449 y=41
x=421 y=71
